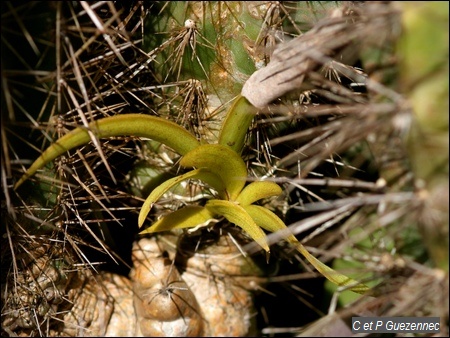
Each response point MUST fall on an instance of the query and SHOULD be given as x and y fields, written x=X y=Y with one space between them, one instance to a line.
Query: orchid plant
x=218 y=164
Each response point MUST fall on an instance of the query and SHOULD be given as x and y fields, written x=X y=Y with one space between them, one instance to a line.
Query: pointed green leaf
x=332 y=275
x=237 y=215
x=266 y=219
x=221 y=161
x=203 y=174
x=187 y=217
x=156 y=128
x=258 y=190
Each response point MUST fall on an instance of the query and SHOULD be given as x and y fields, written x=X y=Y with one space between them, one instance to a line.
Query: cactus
x=315 y=145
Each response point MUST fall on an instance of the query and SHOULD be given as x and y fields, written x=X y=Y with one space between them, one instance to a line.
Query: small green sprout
x=219 y=165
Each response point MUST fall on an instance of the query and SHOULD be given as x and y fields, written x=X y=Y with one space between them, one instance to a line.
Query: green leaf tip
x=202 y=174
x=140 y=125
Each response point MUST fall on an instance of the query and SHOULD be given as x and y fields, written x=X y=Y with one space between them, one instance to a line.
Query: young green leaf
x=258 y=190
x=266 y=219
x=202 y=174
x=237 y=215
x=223 y=162
x=188 y=217
x=156 y=128
x=332 y=275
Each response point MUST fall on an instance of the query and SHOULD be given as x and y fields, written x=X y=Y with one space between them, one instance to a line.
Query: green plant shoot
x=219 y=165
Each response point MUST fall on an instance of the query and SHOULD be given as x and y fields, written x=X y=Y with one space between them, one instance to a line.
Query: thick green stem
x=236 y=124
